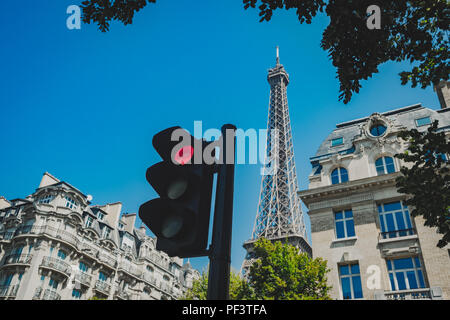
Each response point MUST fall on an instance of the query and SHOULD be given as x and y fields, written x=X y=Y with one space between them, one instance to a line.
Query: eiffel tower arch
x=279 y=215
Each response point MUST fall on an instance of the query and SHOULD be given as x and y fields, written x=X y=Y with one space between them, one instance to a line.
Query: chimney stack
x=443 y=92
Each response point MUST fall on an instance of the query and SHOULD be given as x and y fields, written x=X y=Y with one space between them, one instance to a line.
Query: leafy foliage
x=428 y=179
x=103 y=11
x=279 y=273
x=239 y=288
x=282 y=273
x=414 y=30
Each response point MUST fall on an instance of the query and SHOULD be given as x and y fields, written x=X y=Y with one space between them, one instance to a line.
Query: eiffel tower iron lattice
x=279 y=215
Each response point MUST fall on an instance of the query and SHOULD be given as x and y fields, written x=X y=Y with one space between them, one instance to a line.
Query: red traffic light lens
x=184 y=155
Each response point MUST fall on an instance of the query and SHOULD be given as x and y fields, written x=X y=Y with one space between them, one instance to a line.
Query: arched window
x=384 y=165
x=339 y=175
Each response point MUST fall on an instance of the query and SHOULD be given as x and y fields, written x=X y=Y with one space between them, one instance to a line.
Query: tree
x=282 y=273
x=279 y=272
x=410 y=30
x=427 y=180
x=239 y=288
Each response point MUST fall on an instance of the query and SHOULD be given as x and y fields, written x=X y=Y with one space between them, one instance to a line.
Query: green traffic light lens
x=176 y=189
x=171 y=226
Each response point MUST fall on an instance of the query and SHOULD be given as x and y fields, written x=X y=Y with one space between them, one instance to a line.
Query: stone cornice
x=312 y=196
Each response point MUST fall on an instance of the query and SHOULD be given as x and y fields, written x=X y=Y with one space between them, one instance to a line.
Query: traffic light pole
x=220 y=250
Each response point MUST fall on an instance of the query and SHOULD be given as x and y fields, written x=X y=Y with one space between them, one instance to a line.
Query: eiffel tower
x=279 y=216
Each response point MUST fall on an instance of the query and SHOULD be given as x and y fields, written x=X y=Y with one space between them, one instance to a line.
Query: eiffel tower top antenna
x=278 y=56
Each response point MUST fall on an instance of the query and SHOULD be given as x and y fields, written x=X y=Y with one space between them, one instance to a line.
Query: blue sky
x=84 y=105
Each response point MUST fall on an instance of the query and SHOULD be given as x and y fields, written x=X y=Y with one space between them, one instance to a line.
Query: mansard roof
x=402 y=118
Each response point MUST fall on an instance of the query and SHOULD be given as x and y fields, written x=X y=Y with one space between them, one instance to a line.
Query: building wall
x=43 y=239
x=362 y=193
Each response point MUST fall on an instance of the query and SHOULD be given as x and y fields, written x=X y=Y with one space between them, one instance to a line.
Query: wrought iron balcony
x=18 y=259
x=107 y=259
x=46 y=294
x=83 y=278
x=102 y=286
x=122 y=295
x=64 y=235
x=413 y=294
x=8 y=291
x=396 y=234
x=57 y=265
x=50 y=295
x=130 y=269
x=147 y=277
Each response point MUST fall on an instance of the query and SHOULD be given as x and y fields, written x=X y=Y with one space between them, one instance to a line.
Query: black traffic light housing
x=179 y=218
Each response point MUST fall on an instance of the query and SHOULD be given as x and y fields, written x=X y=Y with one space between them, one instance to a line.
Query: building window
x=395 y=220
x=337 y=141
x=149 y=269
x=89 y=221
x=423 y=121
x=53 y=283
x=339 y=175
x=120 y=226
x=377 y=130
x=384 y=165
x=106 y=232
x=70 y=203
x=76 y=294
x=350 y=281
x=83 y=267
x=100 y=216
x=345 y=226
x=61 y=255
x=7 y=278
x=102 y=276
x=405 y=274
x=46 y=199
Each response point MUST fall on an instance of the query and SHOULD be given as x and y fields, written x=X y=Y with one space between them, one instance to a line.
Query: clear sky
x=84 y=105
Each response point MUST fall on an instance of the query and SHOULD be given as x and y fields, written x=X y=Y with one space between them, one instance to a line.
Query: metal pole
x=220 y=251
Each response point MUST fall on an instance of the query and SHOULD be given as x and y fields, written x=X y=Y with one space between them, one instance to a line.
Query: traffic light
x=180 y=216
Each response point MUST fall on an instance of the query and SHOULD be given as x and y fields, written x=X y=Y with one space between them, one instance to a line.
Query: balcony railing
x=159 y=261
x=8 y=291
x=102 y=286
x=46 y=294
x=83 y=278
x=122 y=295
x=51 y=295
x=130 y=269
x=57 y=264
x=397 y=233
x=149 y=278
x=18 y=259
x=413 y=294
x=107 y=259
x=64 y=235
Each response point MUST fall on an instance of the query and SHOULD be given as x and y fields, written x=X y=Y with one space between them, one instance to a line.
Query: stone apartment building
x=359 y=222
x=55 y=245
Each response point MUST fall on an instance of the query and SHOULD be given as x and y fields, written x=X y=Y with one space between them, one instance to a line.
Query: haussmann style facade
x=360 y=223
x=55 y=245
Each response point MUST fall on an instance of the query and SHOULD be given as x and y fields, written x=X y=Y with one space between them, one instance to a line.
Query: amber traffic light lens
x=177 y=188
